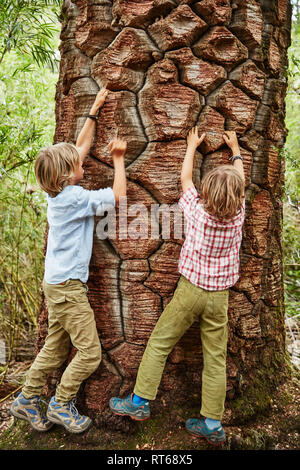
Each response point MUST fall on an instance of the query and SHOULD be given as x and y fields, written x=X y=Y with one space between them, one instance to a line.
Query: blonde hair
x=222 y=192
x=55 y=165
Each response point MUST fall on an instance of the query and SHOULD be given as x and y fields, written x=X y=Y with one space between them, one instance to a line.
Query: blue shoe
x=126 y=407
x=198 y=428
x=30 y=410
x=67 y=415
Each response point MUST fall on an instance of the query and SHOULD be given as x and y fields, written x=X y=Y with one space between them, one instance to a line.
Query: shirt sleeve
x=95 y=202
x=189 y=201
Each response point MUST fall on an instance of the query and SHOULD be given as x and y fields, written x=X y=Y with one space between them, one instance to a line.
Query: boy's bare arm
x=86 y=135
x=117 y=148
x=232 y=142
x=188 y=163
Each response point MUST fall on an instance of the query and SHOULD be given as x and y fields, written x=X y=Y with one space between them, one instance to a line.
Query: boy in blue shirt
x=70 y=215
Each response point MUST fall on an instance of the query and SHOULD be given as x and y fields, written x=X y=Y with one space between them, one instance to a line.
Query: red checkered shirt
x=209 y=257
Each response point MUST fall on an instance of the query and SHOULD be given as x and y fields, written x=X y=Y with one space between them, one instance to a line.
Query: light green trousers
x=188 y=303
x=70 y=320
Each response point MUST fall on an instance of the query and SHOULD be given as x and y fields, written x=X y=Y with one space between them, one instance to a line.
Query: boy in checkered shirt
x=209 y=266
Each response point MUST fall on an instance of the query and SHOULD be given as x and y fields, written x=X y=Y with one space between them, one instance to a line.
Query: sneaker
x=30 y=410
x=126 y=407
x=67 y=415
x=198 y=428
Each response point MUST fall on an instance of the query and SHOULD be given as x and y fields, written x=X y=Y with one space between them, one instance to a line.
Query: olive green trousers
x=189 y=303
x=70 y=321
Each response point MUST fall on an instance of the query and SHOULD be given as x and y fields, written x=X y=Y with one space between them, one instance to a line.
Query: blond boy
x=70 y=215
x=209 y=266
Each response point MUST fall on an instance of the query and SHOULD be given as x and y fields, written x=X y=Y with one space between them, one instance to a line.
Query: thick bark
x=171 y=65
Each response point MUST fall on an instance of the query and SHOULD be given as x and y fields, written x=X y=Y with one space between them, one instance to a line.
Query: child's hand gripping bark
x=99 y=101
x=193 y=141
x=86 y=135
x=117 y=148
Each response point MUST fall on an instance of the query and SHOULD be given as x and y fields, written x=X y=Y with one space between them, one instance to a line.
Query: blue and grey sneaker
x=30 y=410
x=126 y=407
x=198 y=428
x=67 y=415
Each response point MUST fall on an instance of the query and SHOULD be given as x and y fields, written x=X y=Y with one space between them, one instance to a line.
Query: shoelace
x=74 y=410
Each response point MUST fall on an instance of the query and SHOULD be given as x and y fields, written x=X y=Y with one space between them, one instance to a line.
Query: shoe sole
x=200 y=436
x=130 y=416
x=24 y=417
x=57 y=421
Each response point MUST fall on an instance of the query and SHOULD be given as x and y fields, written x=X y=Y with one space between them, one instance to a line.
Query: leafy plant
x=292 y=177
x=28 y=26
x=28 y=57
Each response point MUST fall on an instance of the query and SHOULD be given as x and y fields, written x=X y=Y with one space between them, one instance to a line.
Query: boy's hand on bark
x=231 y=140
x=193 y=139
x=117 y=147
x=100 y=98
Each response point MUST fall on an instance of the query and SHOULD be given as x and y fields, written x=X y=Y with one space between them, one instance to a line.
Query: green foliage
x=27 y=99
x=292 y=178
x=27 y=27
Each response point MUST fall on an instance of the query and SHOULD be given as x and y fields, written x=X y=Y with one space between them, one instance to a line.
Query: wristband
x=236 y=157
x=93 y=117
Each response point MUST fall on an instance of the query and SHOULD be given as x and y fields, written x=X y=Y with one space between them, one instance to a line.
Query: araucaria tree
x=170 y=65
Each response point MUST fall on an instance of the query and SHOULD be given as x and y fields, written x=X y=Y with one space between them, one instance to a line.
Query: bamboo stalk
x=16 y=390
x=14 y=311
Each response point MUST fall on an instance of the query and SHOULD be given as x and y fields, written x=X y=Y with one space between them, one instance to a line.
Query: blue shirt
x=70 y=216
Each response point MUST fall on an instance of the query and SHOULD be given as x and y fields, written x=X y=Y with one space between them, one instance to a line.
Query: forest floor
x=277 y=429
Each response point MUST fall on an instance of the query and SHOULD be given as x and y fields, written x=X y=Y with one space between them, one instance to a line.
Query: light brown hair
x=222 y=192
x=55 y=165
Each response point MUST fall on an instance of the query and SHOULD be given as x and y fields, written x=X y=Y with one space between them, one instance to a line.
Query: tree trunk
x=170 y=65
